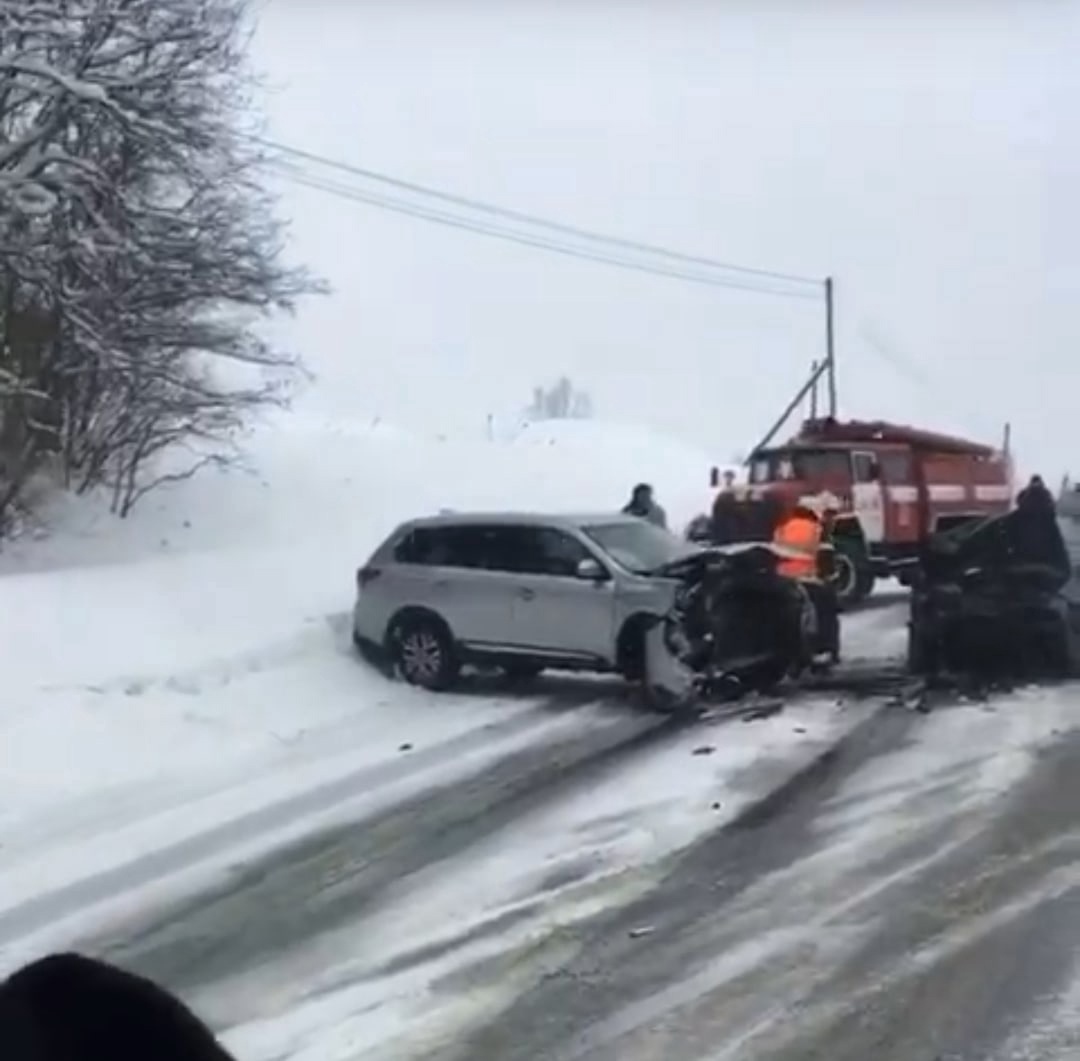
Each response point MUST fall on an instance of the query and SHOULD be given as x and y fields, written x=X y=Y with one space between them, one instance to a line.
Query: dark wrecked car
x=736 y=626
x=998 y=599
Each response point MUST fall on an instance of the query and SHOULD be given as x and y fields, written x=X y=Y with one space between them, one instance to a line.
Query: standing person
x=802 y=533
x=643 y=504
x=1038 y=537
x=726 y=522
x=799 y=534
x=1036 y=497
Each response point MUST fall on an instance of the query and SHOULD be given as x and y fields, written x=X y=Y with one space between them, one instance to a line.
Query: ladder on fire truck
x=882 y=431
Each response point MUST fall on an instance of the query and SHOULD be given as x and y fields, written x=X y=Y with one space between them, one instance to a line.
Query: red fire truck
x=890 y=485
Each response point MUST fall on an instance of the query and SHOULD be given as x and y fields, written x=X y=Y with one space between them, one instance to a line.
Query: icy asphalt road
x=901 y=900
x=915 y=919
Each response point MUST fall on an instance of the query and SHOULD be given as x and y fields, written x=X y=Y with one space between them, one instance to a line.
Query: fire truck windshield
x=799 y=465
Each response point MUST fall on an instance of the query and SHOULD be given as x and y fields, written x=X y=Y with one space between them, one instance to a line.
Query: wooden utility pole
x=825 y=367
x=830 y=345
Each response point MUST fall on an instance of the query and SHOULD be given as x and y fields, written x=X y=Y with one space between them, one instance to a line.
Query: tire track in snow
x=45 y=908
x=928 y=924
x=223 y=671
x=283 y=901
x=593 y=991
x=544 y=696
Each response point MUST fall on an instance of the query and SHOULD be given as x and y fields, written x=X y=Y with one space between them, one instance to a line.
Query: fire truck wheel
x=854 y=579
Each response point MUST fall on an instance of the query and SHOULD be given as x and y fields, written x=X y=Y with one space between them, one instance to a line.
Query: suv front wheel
x=424 y=652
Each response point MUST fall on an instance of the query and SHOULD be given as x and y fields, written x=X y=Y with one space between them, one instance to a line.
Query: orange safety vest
x=802 y=535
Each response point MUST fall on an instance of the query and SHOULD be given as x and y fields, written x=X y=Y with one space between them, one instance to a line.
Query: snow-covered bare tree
x=138 y=249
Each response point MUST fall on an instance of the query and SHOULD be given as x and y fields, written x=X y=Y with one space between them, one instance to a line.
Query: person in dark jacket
x=643 y=505
x=70 y=1007
x=1037 y=536
x=726 y=522
x=1036 y=496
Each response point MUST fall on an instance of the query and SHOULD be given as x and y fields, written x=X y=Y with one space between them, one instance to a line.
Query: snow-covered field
x=180 y=691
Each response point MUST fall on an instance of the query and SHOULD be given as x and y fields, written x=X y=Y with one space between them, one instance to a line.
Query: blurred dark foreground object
x=67 y=1007
x=998 y=600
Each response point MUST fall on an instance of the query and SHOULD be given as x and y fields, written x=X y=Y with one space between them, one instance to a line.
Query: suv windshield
x=638 y=546
x=802 y=464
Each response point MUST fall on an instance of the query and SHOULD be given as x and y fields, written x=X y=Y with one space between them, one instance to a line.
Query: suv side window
x=544 y=551
x=468 y=547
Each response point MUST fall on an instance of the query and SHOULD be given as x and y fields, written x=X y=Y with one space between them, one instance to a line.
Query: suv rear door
x=555 y=612
x=453 y=569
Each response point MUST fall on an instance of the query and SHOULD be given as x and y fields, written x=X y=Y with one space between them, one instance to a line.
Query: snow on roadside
x=306 y=480
x=285 y=728
x=75 y=890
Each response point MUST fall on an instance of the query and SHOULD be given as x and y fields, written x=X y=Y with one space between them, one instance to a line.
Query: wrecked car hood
x=1012 y=548
x=736 y=555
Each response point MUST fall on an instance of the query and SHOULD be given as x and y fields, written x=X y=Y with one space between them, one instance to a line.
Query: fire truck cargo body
x=892 y=486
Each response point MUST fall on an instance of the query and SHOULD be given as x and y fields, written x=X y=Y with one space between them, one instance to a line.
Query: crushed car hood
x=740 y=555
x=1017 y=548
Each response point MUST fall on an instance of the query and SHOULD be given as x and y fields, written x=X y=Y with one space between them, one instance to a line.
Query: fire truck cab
x=890 y=487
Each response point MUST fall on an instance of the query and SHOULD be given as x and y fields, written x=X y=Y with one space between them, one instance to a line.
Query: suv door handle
x=527 y=594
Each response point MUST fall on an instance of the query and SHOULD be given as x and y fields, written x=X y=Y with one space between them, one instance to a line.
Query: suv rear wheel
x=424 y=652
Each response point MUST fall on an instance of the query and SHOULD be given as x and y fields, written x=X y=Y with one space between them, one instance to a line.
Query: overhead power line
x=304 y=179
x=806 y=287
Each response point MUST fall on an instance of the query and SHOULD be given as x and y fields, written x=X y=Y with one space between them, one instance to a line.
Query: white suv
x=522 y=592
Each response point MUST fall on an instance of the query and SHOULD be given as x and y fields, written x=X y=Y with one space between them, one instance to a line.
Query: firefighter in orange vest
x=801 y=534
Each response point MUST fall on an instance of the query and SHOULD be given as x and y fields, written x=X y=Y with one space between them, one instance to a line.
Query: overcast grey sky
x=923 y=153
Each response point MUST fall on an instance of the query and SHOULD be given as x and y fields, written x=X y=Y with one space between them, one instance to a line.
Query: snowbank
x=308 y=480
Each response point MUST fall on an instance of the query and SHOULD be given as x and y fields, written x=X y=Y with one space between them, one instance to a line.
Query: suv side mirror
x=591 y=570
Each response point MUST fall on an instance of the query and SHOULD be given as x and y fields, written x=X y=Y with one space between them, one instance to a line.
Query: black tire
x=424 y=653
x=854 y=579
x=522 y=671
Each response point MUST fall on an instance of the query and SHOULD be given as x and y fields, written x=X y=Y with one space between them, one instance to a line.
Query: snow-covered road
x=904 y=901
x=913 y=890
